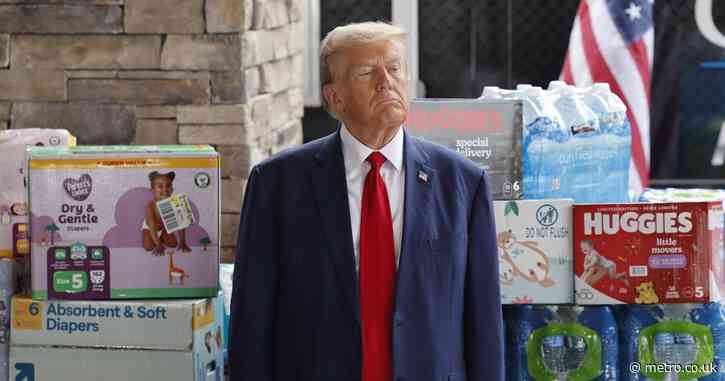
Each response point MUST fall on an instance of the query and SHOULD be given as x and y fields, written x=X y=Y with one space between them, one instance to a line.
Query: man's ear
x=332 y=97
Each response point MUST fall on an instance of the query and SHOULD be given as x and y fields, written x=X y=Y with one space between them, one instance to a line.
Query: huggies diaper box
x=116 y=340
x=14 y=229
x=534 y=251
x=118 y=222
x=487 y=131
x=648 y=253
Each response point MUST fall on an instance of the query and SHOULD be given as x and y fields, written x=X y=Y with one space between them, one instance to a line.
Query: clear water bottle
x=491 y=92
x=684 y=350
x=619 y=124
x=556 y=85
x=664 y=352
x=554 y=355
x=523 y=87
x=576 y=352
x=664 y=347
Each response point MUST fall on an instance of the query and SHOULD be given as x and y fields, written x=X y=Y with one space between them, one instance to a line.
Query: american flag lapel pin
x=422 y=176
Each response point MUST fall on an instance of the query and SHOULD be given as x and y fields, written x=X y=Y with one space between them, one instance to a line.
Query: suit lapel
x=419 y=180
x=330 y=190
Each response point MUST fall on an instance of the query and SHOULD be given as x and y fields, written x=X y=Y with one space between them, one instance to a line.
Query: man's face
x=370 y=84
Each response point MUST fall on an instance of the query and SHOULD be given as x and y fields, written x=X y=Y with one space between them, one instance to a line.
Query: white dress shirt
x=392 y=171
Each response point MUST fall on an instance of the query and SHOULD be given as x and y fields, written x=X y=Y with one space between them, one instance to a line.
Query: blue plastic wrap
x=574 y=155
x=712 y=315
x=634 y=319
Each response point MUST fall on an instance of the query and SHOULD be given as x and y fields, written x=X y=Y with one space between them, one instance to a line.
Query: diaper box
x=13 y=207
x=116 y=340
x=487 y=131
x=534 y=251
x=648 y=253
x=124 y=222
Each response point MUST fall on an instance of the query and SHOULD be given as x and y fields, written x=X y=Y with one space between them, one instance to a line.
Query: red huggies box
x=648 y=253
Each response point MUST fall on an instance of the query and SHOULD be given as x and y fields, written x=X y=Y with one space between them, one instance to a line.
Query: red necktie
x=377 y=275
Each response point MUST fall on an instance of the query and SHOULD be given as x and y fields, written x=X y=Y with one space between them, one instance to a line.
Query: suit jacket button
x=398 y=322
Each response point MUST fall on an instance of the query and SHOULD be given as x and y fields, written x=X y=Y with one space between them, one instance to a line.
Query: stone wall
x=221 y=72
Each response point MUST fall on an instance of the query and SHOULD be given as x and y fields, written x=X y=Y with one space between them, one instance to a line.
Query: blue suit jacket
x=295 y=311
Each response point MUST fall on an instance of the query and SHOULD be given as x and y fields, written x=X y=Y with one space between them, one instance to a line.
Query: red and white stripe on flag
x=613 y=41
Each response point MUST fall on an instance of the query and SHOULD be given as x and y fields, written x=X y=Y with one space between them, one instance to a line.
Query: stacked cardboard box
x=117 y=340
x=640 y=253
x=112 y=223
x=124 y=222
x=535 y=259
x=563 y=262
x=14 y=221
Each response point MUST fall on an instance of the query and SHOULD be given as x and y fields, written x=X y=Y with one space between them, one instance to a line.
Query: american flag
x=613 y=41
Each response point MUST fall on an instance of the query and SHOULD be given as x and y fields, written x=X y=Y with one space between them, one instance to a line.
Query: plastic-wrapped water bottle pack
x=576 y=142
x=603 y=343
x=561 y=343
x=689 y=337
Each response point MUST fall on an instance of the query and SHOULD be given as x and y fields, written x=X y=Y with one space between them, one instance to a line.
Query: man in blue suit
x=368 y=254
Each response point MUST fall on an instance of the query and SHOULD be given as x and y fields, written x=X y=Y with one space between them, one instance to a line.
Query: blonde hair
x=353 y=34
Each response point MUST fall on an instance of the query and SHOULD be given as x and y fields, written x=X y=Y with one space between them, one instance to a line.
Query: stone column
x=221 y=72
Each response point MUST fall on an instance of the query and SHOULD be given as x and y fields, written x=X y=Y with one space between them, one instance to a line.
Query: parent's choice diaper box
x=648 y=253
x=124 y=222
x=14 y=229
x=534 y=251
x=116 y=340
x=486 y=131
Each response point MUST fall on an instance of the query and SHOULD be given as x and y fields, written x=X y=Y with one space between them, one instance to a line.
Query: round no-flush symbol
x=547 y=215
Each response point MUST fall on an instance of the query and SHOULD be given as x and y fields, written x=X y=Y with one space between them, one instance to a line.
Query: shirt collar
x=355 y=153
